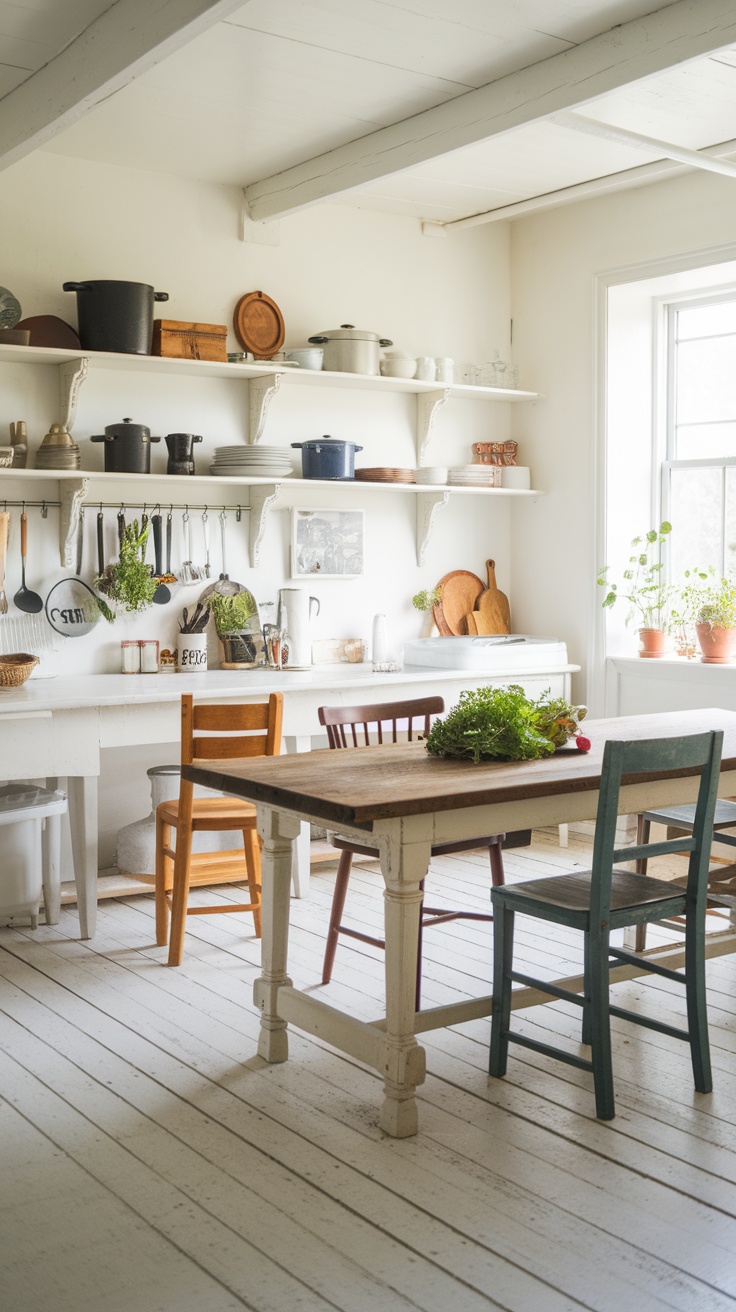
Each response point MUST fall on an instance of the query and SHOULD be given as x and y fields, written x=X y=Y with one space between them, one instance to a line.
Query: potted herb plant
x=649 y=596
x=715 y=622
x=129 y=583
x=237 y=624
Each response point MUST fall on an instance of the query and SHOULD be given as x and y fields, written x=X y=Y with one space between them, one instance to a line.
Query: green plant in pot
x=129 y=584
x=715 y=622
x=649 y=596
x=238 y=626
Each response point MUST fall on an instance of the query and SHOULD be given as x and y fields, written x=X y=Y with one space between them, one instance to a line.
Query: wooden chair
x=211 y=733
x=599 y=900
x=683 y=818
x=350 y=726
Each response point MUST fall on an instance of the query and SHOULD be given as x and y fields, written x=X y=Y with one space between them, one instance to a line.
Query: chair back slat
x=680 y=756
x=375 y=725
x=226 y=733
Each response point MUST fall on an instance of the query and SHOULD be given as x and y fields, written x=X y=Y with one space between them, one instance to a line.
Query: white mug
x=426 y=369
x=445 y=369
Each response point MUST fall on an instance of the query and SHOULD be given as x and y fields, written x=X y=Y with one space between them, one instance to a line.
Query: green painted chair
x=603 y=899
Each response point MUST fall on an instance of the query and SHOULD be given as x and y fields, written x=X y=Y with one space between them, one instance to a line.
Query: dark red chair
x=350 y=726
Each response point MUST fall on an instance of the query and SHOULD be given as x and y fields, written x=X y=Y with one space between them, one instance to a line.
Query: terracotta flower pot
x=651 y=642
x=716 y=644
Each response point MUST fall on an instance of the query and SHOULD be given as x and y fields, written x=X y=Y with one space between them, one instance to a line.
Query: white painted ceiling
x=281 y=81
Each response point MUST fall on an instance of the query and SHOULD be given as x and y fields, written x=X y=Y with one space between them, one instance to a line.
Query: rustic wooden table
x=407 y=800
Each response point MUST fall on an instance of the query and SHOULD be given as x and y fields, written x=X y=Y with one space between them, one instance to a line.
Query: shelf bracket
x=72 y=495
x=428 y=503
x=428 y=405
x=262 y=497
x=71 y=376
x=261 y=392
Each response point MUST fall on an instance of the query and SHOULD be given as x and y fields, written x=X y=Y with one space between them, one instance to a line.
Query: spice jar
x=130 y=657
x=149 y=656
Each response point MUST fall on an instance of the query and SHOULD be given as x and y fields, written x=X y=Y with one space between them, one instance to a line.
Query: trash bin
x=26 y=861
x=136 y=842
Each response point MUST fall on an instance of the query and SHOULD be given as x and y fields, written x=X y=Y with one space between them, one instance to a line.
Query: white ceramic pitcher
x=296 y=609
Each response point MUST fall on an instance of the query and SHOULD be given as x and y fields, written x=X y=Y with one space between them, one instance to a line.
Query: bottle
x=379 y=643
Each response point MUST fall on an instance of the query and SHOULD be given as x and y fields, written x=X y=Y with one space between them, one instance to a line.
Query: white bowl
x=308 y=357
x=398 y=368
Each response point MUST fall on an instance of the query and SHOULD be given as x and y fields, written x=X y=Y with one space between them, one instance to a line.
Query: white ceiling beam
x=126 y=40
x=672 y=35
x=641 y=176
x=624 y=137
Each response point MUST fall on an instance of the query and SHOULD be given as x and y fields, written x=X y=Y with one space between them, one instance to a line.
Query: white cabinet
x=264 y=383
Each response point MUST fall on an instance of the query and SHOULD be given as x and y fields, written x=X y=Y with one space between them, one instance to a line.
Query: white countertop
x=67 y=692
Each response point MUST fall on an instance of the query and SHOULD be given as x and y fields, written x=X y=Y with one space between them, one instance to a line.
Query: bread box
x=189 y=341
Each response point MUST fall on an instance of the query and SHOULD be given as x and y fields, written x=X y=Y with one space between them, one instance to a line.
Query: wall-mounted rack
x=264 y=381
x=77 y=488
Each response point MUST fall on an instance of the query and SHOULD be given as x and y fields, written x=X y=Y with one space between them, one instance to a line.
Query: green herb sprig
x=129 y=583
x=502 y=724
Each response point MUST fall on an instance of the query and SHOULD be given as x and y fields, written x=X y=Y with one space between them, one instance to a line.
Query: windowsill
x=648 y=667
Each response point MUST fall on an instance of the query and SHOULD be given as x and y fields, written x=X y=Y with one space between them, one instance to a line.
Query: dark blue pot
x=328 y=457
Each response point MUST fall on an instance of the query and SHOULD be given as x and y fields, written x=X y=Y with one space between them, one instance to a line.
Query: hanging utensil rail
x=47 y=505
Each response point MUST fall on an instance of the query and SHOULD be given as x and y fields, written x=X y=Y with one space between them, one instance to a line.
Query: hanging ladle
x=24 y=599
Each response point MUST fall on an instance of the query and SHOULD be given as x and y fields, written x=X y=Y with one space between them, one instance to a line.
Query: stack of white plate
x=251 y=461
x=475 y=475
x=432 y=474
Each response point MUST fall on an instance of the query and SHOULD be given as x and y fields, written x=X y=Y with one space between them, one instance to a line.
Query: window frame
x=664 y=432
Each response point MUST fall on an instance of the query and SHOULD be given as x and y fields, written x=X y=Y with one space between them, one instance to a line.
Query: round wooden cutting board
x=459 y=592
x=259 y=325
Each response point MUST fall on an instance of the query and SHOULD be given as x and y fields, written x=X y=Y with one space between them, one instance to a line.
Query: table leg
x=404 y=867
x=278 y=833
x=51 y=868
x=300 y=870
x=83 y=823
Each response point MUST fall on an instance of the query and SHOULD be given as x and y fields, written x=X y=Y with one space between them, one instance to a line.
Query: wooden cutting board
x=459 y=592
x=492 y=613
x=48 y=330
x=259 y=325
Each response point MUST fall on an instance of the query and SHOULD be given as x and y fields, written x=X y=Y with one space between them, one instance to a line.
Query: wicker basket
x=15 y=669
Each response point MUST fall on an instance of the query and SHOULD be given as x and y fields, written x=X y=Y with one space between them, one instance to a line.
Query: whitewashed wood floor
x=152 y=1163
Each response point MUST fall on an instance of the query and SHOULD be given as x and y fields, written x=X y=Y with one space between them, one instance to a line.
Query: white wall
x=555 y=258
x=68 y=219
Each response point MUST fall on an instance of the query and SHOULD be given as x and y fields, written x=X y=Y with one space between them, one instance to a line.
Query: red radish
x=582 y=743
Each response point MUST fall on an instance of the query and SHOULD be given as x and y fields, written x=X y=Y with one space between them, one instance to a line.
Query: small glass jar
x=130 y=657
x=149 y=656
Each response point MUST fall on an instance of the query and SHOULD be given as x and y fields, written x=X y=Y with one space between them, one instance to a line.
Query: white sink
x=497 y=651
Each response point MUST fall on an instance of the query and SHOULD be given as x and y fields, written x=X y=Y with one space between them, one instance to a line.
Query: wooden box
x=189 y=341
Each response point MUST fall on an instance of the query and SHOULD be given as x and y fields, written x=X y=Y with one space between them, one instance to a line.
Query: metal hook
x=23 y=507
x=238 y=514
x=186 y=512
x=157 y=508
x=45 y=511
x=204 y=515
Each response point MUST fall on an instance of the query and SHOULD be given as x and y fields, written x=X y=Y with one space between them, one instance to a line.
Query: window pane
x=706 y=319
x=706 y=380
x=695 y=499
x=705 y=441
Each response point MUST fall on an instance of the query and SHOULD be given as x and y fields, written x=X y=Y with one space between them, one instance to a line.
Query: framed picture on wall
x=326 y=544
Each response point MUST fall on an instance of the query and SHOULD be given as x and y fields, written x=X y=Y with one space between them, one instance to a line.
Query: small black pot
x=181 y=455
x=115 y=316
x=127 y=448
x=328 y=457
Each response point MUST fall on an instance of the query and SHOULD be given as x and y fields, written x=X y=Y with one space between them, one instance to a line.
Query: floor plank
x=154 y=1163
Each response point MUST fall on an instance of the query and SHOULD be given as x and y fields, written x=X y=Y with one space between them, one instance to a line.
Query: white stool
x=31 y=850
